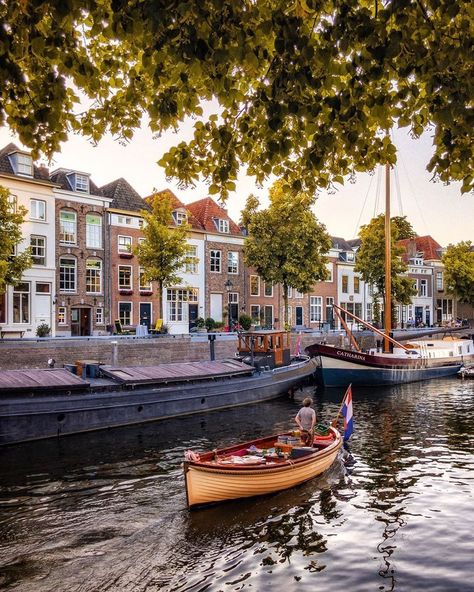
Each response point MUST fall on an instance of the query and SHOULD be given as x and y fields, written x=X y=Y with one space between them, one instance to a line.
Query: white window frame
x=62 y=315
x=24 y=164
x=315 y=309
x=81 y=183
x=39 y=247
x=180 y=217
x=94 y=232
x=424 y=288
x=330 y=268
x=131 y=312
x=124 y=246
x=143 y=287
x=99 y=316
x=67 y=280
x=439 y=281
x=177 y=300
x=20 y=295
x=265 y=286
x=255 y=318
x=94 y=276
x=356 y=280
x=120 y=267
x=223 y=226
x=192 y=266
x=298 y=294
x=38 y=210
x=346 y=291
x=233 y=262
x=69 y=230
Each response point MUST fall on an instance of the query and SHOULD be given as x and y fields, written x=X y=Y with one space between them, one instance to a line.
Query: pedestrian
x=306 y=420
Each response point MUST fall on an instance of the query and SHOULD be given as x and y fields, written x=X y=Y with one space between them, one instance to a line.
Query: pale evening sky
x=432 y=208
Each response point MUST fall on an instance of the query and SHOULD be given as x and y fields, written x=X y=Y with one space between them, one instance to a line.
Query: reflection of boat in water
x=38 y=404
x=245 y=470
x=466 y=372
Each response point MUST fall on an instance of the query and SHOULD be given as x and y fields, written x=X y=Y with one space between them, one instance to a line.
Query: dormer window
x=22 y=163
x=82 y=183
x=350 y=256
x=222 y=225
x=180 y=217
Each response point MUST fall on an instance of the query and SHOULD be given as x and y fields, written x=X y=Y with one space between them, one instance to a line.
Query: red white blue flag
x=346 y=412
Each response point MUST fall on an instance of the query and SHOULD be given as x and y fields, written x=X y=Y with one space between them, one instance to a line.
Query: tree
x=304 y=88
x=164 y=252
x=285 y=244
x=458 y=263
x=12 y=264
x=371 y=258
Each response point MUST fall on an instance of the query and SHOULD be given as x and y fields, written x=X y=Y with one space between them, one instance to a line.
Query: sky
x=432 y=208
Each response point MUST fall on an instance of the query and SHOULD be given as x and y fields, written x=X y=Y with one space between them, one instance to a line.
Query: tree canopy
x=12 y=263
x=306 y=90
x=285 y=244
x=164 y=251
x=370 y=261
x=459 y=270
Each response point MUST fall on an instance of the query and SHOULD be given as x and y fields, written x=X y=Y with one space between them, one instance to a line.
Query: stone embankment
x=129 y=351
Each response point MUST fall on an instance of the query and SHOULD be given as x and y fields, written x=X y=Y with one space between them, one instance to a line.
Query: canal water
x=106 y=511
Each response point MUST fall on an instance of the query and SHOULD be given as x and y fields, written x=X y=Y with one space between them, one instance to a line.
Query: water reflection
x=108 y=508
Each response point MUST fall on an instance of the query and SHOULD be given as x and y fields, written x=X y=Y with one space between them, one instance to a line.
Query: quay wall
x=126 y=351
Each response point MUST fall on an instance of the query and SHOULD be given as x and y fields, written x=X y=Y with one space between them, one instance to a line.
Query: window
x=99 y=316
x=254 y=285
x=125 y=313
x=37 y=209
x=423 y=287
x=255 y=313
x=67 y=227
x=144 y=285
x=42 y=288
x=439 y=281
x=232 y=262
x=180 y=217
x=350 y=256
x=93 y=276
x=358 y=309
x=368 y=313
x=82 y=183
x=94 y=231
x=192 y=264
x=267 y=289
x=290 y=292
x=124 y=277
x=356 y=285
x=38 y=249
x=67 y=274
x=124 y=244
x=21 y=303
x=62 y=318
x=123 y=220
x=329 y=267
x=22 y=164
x=298 y=294
x=178 y=299
x=3 y=308
x=315 y=309
x=222 y=225
x=345 y=284
x=215 y=261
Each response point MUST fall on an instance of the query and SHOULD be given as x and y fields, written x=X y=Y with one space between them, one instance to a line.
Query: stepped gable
x=176 y=204
x=124 y=197
x=39 y=172
x=207 y=210
x=60 y=178
x=427 y=245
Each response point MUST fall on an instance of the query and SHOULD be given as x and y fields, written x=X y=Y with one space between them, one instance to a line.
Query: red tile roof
x=207 y=210
x=177 y=204
x=421 y=244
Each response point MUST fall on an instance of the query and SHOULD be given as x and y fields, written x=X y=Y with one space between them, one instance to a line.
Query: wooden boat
x=37 y=404
x=231 y=473
x=398 y=363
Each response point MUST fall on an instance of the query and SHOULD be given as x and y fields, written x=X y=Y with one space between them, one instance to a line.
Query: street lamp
x=228 y=286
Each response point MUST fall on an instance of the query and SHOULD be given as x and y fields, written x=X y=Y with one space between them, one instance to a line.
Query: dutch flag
x=347 y=413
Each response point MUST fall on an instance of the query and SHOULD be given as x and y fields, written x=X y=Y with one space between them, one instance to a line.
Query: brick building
x=81 y=254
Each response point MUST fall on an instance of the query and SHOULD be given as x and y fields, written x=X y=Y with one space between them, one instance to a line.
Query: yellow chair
x=158 y=326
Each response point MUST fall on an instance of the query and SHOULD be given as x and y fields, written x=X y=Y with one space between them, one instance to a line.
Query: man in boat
x=306 y=420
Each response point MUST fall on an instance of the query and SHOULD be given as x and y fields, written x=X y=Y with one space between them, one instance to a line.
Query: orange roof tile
x=207 y=210
x=421 y=244
x=176 y=203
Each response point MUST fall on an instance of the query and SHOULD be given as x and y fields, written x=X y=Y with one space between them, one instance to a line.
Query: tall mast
x=388 y=264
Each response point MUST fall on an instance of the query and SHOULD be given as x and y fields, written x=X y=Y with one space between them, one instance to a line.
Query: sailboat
x=418 y=359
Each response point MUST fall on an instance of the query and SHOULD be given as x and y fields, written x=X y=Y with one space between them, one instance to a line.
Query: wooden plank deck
x=49 y=379
x=177 y=372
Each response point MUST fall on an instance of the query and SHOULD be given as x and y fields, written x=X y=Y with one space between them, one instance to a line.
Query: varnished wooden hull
x=206 y=484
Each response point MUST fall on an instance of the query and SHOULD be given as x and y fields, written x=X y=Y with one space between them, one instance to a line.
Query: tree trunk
x=285 y=307
x=161 y=301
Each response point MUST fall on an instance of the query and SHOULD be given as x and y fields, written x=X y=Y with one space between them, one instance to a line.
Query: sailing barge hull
x=207 y=484
x=339 y=367
x=34 y=416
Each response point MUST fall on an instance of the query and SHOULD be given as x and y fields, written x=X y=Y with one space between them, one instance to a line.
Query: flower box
x=125 y=255
x=125 y=292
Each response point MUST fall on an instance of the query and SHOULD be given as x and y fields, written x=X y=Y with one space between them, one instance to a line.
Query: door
x=418 y=315
x=427 y=317
x=298 y=316
x=330 y=312
x=216 y=307
x=268 y=317
x=193 y=314
x=81 y=321
x=145 y=314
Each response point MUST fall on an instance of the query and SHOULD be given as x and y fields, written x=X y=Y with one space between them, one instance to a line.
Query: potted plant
x=245 y=321
x=210 y=324
x=200 y=324
x=43 y=330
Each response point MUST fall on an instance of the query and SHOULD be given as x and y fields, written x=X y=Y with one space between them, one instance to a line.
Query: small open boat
x=254 y=468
